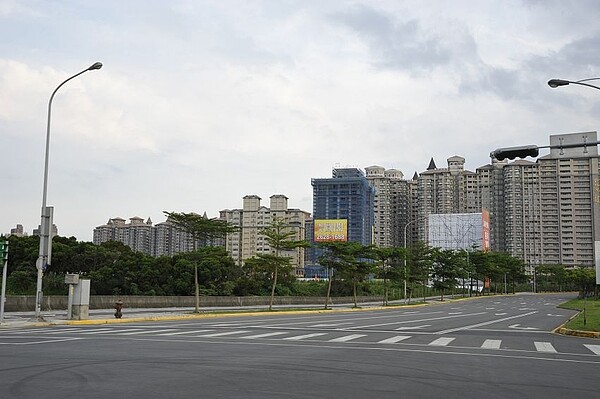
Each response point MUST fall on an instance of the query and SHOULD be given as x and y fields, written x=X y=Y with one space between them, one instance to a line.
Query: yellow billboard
x=329 y=230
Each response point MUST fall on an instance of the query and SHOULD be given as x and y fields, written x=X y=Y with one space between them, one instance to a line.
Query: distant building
x=346 y=195
x=18 y=231
x=391 y=206
x=248 y=241
x=164 y=239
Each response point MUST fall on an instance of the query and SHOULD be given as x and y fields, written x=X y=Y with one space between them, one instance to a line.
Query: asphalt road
x=492 y=347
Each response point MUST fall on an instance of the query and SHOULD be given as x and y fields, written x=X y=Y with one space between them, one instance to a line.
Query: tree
x=351 y=260
x=391 y=266
x=445 y=269
x=419 y=263
x=203 y=230
x=282 y=239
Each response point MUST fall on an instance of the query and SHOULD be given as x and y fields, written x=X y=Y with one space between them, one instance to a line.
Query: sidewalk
x=106 y=316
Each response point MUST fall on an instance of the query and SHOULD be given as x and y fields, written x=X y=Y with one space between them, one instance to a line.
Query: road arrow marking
x=516 y=327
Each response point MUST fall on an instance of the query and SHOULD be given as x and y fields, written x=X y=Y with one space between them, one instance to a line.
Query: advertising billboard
x=485 y=236
x=329 y=230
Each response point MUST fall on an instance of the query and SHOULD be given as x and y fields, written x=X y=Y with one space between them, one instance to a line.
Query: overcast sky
x=200 y=103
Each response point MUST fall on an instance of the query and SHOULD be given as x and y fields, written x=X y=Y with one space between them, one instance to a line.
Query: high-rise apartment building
x=551 y=208
x=346 y=195
x=570 y=202
x=164 y=239
x=445 y=190
x=391 y=206
x=248 y=241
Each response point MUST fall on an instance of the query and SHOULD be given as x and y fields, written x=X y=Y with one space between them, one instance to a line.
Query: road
x=493 y=347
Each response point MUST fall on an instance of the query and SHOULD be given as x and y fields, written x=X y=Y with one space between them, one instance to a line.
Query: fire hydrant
x=118 y=307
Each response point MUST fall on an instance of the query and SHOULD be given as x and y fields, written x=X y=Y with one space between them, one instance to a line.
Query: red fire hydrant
x=118 y=307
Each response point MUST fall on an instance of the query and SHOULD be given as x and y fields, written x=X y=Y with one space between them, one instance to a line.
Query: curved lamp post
x=554 y=83
x=46 y=224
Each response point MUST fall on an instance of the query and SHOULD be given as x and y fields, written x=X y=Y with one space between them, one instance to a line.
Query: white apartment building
x=248 y=241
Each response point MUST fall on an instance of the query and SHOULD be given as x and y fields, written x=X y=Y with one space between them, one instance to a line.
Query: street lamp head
x=554 y=83
x=97 y=65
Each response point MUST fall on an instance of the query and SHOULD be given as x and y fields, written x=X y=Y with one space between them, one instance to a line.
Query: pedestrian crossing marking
x=82 y=331
x=491 y=344
x=593 y=348
x=544 y=347
x=185 y=332
x=110 y=330
x=146 y=331
x=305 y=336
x=285 y=335
x=395 y=339
x=223 y=334
x=441 y=341
x=265 y=335
x=347 y=338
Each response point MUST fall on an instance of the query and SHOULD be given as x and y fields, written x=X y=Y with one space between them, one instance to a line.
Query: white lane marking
x=483 y=324
x=347 y=338
x=393 y=340
x=49 y=341
x=500 y=314
x=222 y=334
x=271 y=334
x=417 y=321
x=78 y=330
x=491 y=344
x=305 y=336
x=454 y=313
x=544 y=347
x=162 y=330
x=185 y=332
x=46 y=331
x=110 y=330
x=441 y=341
x=412 y=328
x=329 y=324
x=593 y=348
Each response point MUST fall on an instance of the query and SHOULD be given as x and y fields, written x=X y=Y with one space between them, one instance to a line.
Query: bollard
x=118 y=307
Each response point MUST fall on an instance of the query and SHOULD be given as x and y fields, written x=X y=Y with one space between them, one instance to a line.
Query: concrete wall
x=23 y=303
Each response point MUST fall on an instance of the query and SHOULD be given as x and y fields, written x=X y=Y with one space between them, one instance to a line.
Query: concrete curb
x=576 y=333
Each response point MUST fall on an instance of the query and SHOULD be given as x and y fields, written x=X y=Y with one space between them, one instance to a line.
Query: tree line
x=355 y=269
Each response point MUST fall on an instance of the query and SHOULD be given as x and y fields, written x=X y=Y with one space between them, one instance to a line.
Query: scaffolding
x=456 y=230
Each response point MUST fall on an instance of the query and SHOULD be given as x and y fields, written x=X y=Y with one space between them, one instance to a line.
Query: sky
x=200 y=103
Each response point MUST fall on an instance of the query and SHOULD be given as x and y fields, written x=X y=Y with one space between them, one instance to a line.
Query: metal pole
x=45 y=230
x=3 y=296
x=405 y=230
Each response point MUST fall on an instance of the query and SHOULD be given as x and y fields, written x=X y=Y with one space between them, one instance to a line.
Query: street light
x=405 y=227
x=554 y=83
x=46 y=223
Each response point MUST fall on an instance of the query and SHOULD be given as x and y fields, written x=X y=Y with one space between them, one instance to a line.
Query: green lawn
x=592 y=314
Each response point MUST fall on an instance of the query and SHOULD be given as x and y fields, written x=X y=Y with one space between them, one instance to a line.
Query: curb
x=575 y=333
